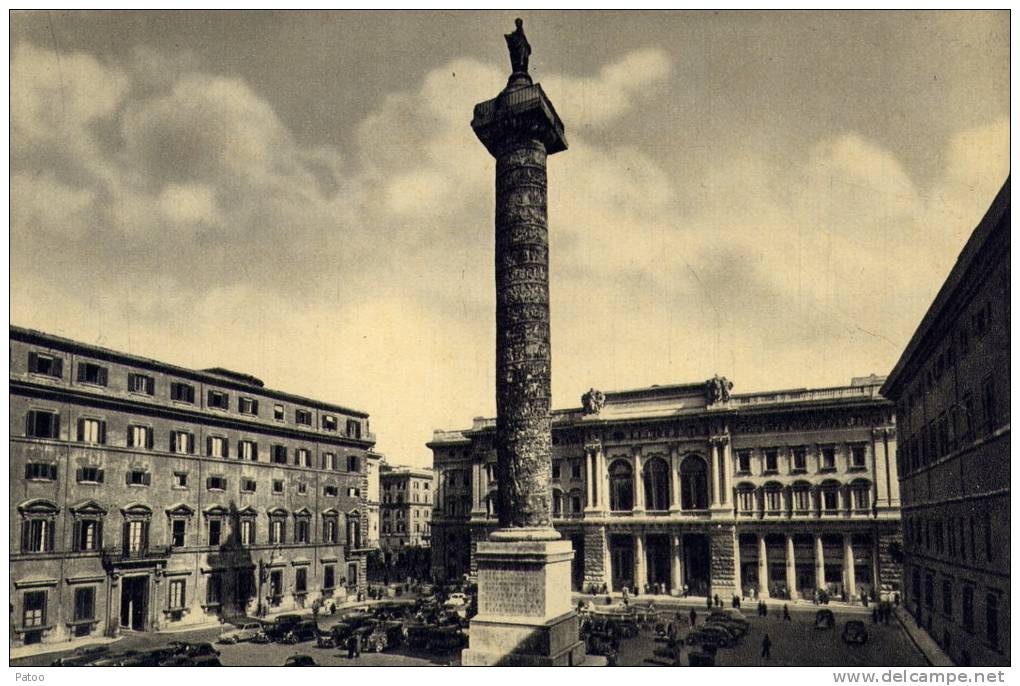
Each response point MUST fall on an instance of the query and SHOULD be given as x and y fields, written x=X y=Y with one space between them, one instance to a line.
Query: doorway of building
x=134 y=596
x=621 y=551
x=697 y=564
x=577 y=564
x=657 y=553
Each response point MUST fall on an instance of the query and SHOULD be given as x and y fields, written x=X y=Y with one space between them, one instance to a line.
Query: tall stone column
x=713 y=471
x=639 y=481
x=849 y=573
x=603 y=481
x=791 y=567
x=763 y=568
x=819 y=563
x=640 y=568
x=674 y=478
x=738 y=583
x=524 y=610
x=676 y=569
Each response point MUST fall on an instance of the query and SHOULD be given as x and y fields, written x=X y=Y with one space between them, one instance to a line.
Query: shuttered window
x=92 y=430
x=91 y=374
x=42 y=424
x=47 y=365
x=140 y=437
x=141 y=383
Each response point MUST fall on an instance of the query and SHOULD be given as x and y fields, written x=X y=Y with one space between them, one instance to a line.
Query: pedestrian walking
x=708 y=602
x=766 y=647
x=694 y=617
x=786 y=613
x=764 y=609
x=874 y=616
x=352 y=646
x=718 y=601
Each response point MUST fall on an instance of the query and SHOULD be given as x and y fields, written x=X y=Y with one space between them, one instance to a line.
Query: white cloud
x=367 y=279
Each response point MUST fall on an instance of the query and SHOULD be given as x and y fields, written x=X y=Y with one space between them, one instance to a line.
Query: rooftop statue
x=519 y=47
x=717 y=389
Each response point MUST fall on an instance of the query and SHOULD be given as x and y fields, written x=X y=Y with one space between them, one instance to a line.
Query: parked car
x=303 y=631
x=445 y=639
x=707 y=636
x=732 y=630
x=245 y=632
x=82 y=656
x=385 y=635
x=456 y=600
x=115 y=660
x=855 y=632
x=191 y=661
x=300 y=661
x=281 y=626
x=824 y=619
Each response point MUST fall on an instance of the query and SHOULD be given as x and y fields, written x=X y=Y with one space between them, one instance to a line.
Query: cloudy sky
x=772 y=197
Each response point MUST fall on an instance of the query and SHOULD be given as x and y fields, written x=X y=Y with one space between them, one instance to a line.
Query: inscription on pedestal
x=511 y=592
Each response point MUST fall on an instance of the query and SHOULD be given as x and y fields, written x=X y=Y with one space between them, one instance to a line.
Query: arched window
x=829 y=496
x=576 y=501
x=656 y=478
x=745 y=499
x=860 y=495
x=693 y=483
x=557 y=502
x=773 y=497
x=621 y=487
x=801 y=497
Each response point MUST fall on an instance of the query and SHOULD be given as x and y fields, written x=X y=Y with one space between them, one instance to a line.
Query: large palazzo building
x=406 y=509
x=146 y=496
x=778 y=493
x=951 y=389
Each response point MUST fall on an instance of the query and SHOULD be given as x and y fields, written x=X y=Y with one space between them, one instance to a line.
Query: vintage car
x=855 y=632
x=245 y=632
x=82 y=657
x=445 y=639
x=302 y=631
x=281 y=626
x=300 y=661
x=734 y=632
x=456 y=600
x=824 y=619
x=709 y=637
x=384 y=635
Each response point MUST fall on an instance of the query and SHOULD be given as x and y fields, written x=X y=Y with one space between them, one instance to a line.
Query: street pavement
x=795 y=643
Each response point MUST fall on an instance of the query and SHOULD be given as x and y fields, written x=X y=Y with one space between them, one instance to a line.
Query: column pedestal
x=525 y=618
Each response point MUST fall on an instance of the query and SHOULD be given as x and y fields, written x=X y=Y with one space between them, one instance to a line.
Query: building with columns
x=777 y=493
x=952 y=392
x=146 y=496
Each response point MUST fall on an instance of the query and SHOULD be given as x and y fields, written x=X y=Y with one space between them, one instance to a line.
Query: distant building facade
x=146 y=496
x=772 y=494
x=952 y=392
x=406 y=508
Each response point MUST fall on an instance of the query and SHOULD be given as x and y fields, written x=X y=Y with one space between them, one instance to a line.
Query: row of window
x=44 y=471
x=952 y=429
x=46 y=424
x=35 y=603
x=954 y=537
x=803 y=498
x=797 y=462
x=97 y=375
x=992 y=603
x=957 y=347
x=38 y=532
x=400 y=528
